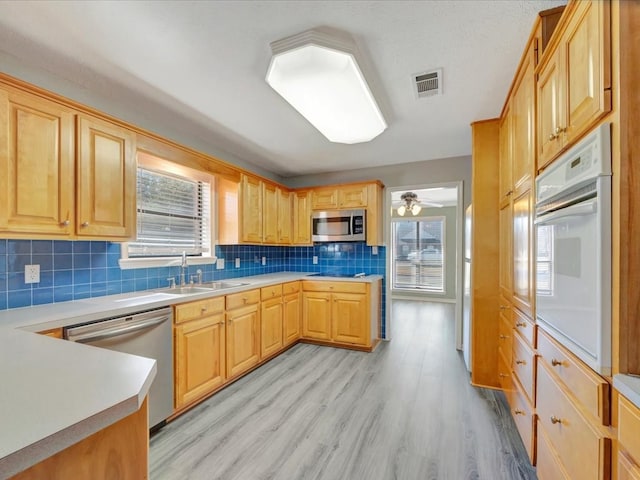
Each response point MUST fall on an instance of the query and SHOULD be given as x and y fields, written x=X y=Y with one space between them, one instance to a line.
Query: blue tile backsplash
x=73 y=270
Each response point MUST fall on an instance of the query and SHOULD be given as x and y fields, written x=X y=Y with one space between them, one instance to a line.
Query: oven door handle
x=114 y=332
x=579 y=209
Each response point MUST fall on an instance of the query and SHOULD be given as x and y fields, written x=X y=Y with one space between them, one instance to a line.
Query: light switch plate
x=220 y=264
x=315 y=259
x=32 y=274
x=374 y=250
x=264 y=260
x=237 y=263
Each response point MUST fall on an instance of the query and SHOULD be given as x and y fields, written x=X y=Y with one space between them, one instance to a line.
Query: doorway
x=424 y=247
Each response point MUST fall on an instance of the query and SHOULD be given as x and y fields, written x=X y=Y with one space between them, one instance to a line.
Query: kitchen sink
x=201 y=288
x=222 y=285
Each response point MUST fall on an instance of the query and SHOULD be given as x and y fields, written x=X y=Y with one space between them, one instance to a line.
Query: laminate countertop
x=629 y=386
x=55 y=393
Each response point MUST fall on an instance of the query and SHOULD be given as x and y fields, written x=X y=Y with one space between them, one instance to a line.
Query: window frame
x=153 y=162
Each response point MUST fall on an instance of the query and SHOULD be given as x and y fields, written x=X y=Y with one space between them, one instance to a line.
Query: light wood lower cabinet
x=243 y=333
x=271 y=321
x=628 y=440
x=524 y=418
x=341 y=313
x=199 y=349
x=548 y=466
x=291 y=303
x=627 y=468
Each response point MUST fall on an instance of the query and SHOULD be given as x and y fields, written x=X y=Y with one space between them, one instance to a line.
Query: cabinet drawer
x=629 y=427
x=627 y=468
x=241 y=299
x=342 y=287
x=271 y=291
x=521 y=411
x=290 y=287
x=524 y=367
x=590 y=389
x=584 y=451
x=200 y=308
x=548 y=466
x=525 y=327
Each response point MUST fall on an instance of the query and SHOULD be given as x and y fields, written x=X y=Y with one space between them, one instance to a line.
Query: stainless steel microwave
x=339 y=226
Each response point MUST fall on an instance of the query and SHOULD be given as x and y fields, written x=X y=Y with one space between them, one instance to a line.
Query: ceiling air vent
x=428 y=84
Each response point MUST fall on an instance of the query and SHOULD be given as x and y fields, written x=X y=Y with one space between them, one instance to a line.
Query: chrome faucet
x=183 y=269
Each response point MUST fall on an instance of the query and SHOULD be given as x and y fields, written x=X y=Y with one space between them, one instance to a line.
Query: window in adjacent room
x=174 y=213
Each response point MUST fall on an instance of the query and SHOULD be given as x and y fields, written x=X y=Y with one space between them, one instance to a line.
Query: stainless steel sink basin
x=222 y=285
x=202 y=288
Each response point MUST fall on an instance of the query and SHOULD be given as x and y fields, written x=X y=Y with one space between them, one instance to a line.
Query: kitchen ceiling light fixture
x=318 y=74
x=411 y=204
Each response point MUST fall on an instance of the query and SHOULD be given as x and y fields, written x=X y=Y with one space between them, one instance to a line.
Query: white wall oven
x=573 y=249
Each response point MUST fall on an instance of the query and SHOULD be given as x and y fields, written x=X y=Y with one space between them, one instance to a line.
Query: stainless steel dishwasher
x=147 y=334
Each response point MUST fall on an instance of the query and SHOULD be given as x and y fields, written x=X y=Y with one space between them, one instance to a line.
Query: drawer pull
x=521 y=324
x=504 y=337
x=518 y=412
x=556 y=363
x=503 y=375
x=559 y=130
x=203 y=309
x=65 y=223
x=552 y=137
x=84 y=224
x=555 y=419
x=521 y=362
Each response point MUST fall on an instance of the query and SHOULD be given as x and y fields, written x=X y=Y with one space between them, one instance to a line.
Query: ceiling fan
x=409 y=202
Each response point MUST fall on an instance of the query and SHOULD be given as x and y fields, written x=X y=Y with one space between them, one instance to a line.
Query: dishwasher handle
x=115 y=332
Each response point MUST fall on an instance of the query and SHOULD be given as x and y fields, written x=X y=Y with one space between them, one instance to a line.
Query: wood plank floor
x=406 y=411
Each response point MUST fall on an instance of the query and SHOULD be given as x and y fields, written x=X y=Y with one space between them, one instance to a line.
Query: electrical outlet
x=315 y=259
x=32 y=274
x=220 y=264
x=237 y=263
x=264 y=260
x=374 y=250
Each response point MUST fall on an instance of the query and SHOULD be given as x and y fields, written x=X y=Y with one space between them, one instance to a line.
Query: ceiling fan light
x=319 y=76
x=415 y=209
x=402 y=210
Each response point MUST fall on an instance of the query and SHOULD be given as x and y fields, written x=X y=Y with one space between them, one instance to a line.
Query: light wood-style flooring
x=405 y=411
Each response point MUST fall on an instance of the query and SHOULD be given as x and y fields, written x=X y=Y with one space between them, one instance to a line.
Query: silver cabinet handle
x=65 y=223
x=84 y=224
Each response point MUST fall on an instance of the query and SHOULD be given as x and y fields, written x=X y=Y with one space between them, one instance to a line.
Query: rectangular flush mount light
x=317 y=73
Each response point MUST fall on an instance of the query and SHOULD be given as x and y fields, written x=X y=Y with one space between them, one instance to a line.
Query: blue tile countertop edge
x=629 y=386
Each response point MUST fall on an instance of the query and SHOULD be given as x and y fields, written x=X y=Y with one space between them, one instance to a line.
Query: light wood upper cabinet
x=285 y=221
x=37 y=178
x=324 y=198
x=352 y=196
x=251 y=209
x=523 y=160
x=269 y=213
x=302 y=217
x=574 y=84
x=506 y=154
x=106 y=183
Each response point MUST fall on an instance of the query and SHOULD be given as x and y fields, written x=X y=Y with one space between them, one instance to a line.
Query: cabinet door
x=269 y=213
x=627 y=469
x=243 y=339
x=506 y=252
x=291 y=304
x=524 y=125
x=302 y=218
x=37 y=166
x=506 y=154
x=588 y=64
x=316 y=315
x=550 y=109
x=352 y=196
x=324 y=198
x=251 y=198
x=271 y=327
x=522 y=251
x=350 y=318
x=106 y=180
x=199 y=358
x=284 y=216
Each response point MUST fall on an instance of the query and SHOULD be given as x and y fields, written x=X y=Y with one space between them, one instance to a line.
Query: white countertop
x=629 y=386
x=55 y=393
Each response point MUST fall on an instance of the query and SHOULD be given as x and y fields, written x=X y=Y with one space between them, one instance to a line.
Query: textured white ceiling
x=204 y=62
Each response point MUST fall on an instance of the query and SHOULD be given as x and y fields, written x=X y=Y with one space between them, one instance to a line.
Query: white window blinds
x=173 y=215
